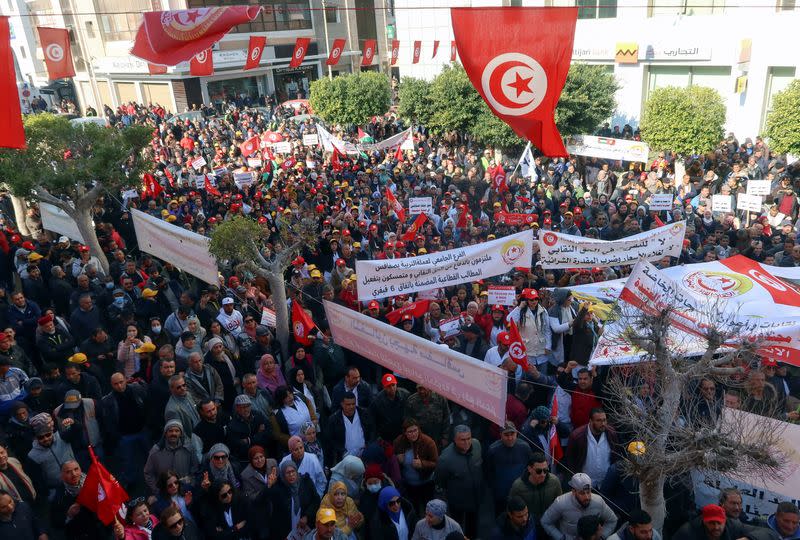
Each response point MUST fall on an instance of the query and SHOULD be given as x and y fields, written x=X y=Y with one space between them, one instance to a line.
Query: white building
x=700 y=43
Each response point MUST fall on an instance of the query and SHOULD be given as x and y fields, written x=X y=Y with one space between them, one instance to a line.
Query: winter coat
x=733 y=530
x=537 y=497
x=382 y=528
x=504 y=465
x=560 y=521
x=623 y=534
x=279 y=521
x=504 y=530
x=45 y=462
x=388 y=413
x=460 y=476
x=182 y=459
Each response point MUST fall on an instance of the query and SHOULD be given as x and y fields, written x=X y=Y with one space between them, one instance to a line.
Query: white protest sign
x=420 y=205
x=408 y=143
x=390 y=277
x=661 y=201
x=759 y=187
x=558 y=250
x=473 y=384
x=503 y=295
x=608 y=148
x=268 y=318
x=242 y=179
x=282 y=147
x=185 y=249
x=254 y=162
x=721 y=203
x=198 y=163
x=199 y=181
x=751 y=203
x=450 y=327
x=56 y=220
x=430 y=294
x=310 y=139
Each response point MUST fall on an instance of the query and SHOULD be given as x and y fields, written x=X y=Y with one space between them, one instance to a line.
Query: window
x=89 y=29
x=275 y=15
x=596 y=9
x=786 y=5
x=778 y=78
x=331 y=13
x=686 y=7
x=718 y=78
x=120 y=21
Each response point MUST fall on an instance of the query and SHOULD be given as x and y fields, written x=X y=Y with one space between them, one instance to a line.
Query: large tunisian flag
x=13 y=134
x=57 y=52
x=169 y=37
x=519 y=73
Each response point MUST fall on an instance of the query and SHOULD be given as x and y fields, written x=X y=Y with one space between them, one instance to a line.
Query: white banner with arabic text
x=608 y=148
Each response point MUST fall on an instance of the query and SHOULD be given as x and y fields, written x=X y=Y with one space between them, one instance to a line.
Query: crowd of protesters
x=189 y=399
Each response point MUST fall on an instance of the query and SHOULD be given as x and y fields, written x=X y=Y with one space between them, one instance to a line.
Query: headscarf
x=255 y=449
x=350 y=471
x=387 y=494
x=225 y=473
x=294 y=489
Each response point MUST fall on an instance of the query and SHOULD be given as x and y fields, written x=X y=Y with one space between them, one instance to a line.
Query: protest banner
x=390 y=277
x=431 y=294
x=243 y=179
x=56 y=220
x=220 y=171
x=751 y=203
x=608 y=148
x=283 y=147
x=514 y=220
x=198 y=163
x=254 y=163
x=450 y=327
x=268 y=318
x=199 y=181
x=185 y=249
x=420 y=205
x=310 y=139
x=759 y=187
x=558 y=250
x=392 y=142
x=503 y=295
x=475 y=385
x=661 y=201
x=721 y=203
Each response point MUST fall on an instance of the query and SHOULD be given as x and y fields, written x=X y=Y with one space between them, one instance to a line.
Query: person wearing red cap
x=712 y=524
x=388 y=408
x=55 y=344
x=498 y=355
x=534 y=328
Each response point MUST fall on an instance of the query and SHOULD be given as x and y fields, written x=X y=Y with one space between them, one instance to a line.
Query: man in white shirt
x=230 y=318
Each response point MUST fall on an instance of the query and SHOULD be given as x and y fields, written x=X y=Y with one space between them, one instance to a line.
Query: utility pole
x=86 y=56
x=327 y=42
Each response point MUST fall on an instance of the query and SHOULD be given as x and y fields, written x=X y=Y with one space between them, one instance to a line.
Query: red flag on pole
x=151 y=187
x=417 y=49
x=416 y=309
x=556 y=452
x=452 y=51
x=435 y=48
x=336 y=52
x=519 y=74
x=57 y=53
x=301 y=324
x=155 y=69
x=395 y=205
x=169 y=37
x=169 y=176
x=300 y=50
x=202 y=64
x=395 y=50
x=462 y=217
x=13 y=134
x=657 y=219
x=255 y=48
x=101 y=493
x=398 y=154
x=211 y=189
x=517 y=351
x=249 y=146
x=336 y=165
x=415 y=227
x=368 y=52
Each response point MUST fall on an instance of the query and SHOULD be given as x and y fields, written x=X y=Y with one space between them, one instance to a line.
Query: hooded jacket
x=772 y=524
x=182 y=459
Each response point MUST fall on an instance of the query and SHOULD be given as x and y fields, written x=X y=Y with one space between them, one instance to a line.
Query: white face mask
x=374 y=488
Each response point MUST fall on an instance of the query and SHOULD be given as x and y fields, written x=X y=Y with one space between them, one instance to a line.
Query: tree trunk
x=278 y=289
x=19 y=215
x=84 y=222
x=651 y=497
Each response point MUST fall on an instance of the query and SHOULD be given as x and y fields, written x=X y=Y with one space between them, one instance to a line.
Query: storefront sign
x=674 y=52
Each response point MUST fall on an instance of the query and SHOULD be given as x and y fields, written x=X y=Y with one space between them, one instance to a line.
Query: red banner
x=57 y=53
x=336 y=52
x=416 y=309
x=435 y=48
x=519 y=73
x=368 y=52
x=249 y=146
x=202 y=64
x=780 y=292
x=254 y=51
x=513 y=219
x=169 y=37
x=415 y=227
x=155 y=69
x=13 y=134
x=417 y=50
x=395 y=205
x=395 y=50
x=452 y=51
x=300 y=50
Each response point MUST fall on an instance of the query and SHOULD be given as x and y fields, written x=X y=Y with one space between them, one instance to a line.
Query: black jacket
x=277 y=524
x=335 y=434
x=382 y=528
x=242 y=434
x=110 y=411
x=84 y=526
x=24 y=525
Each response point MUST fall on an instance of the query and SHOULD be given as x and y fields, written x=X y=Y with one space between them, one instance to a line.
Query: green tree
x=351 y=99
x=490 y=130
x=70 y=166
x=783 y=122
x=240 y=242
x=413 y=100
x=455 y=103
x=587 y=99
x=684 y=120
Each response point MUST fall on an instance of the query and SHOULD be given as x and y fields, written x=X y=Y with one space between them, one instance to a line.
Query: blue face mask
x=374 y=488
x=119 y=301
x=110 y=285
x=156 y=329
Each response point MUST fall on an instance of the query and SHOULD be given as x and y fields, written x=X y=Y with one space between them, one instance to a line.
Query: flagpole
x=520 y=158
x=325 y=26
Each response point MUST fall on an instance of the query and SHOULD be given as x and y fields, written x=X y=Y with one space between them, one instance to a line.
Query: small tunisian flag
x=301 y=324
x=395 y=205
x=13 y=134
x=249 y=146
x=435 y=48
x=417 y=49
x=300 y=50
x=211 y=189
x=395 y=50
x=57 y=53
x=516 y=351
x=452 y=51
x=368 y=52
x=412 y=231
x=398 y=154
x=556 y=452
x=202 y=64
x=336 y=52
x=519 y=74
x=101 y=493
x=254 y=51
x=151 y=187
x=416 y=309
x=169 y=37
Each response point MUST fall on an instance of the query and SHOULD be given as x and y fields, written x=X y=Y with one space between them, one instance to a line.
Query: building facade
x=744 y=52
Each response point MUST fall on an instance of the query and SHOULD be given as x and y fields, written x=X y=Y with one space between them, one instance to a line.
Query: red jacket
x=582 y=404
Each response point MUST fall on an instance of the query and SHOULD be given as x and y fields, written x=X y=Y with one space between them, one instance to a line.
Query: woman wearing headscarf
x=436 y=524
x=395 y=518
x=269 y=375
x=216 y=330
x=294 y=501
x=310 y=441
x=217 y=464
x=224 y=515
x=350 y=471
x=260 y=473
x=348 y=518
x=302 y=386
x=292 y=410
x=139 y=522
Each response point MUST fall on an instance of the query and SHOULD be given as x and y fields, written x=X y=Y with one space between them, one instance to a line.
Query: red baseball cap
x=713 y=512
x=298 y=261
x=340 y=262
x=504 y=338
x=373 y=304
x=388 y=380
x=530 y=294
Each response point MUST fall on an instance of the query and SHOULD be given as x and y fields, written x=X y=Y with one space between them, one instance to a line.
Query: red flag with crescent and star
x=452 y=51
x=254 y=51
x=417 y=50
x=415 y=309
x=302 y=324
x=519 y=73
x=336 y=52
x=517 y=351
x=249 y=146
x=101 y=492
x=395 y=50
x=300 y=50
x=395 y=205
x=411 y=233
x=368 y=52
x=169 y=37
x=202 y=64
x=57 y=52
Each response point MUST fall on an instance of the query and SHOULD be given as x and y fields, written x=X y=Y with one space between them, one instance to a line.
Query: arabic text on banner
x=420 y=205
x=661 y=201
x=476 y=385
x=608 y=148
x=390 y=277
x=185 y=249
x=56 y=220
x=558 y=250
x=721 y=203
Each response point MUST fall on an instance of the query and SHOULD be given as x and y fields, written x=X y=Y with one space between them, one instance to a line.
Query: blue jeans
x=132 y=450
